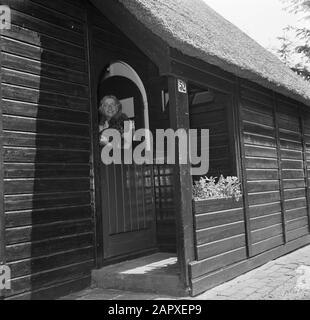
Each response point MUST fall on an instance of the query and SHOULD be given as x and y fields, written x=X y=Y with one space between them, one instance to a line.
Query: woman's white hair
x=102 y=101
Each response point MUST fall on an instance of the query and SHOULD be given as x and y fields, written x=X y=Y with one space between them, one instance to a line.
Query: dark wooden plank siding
x=46 y=148
x=2 y=210
x=215 y=117
x=46 y=172
x=275 y=166
x=305 y=126
x=201 y=73
x=219 y=235
x=262 y=169
x=274 y=138
x=274 y=146
x=293 y=170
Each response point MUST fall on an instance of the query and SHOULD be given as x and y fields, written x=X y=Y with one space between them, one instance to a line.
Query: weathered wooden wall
x=274 y=154
x=48 y=237
x=215 y=116
x=275 y=168
x=270 y=154
x=274 y=163
x=45 y=90
x=48 y=169
x=2 y=217
x=219 y=235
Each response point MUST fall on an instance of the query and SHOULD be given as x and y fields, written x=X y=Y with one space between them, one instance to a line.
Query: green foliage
x=298 y=6
x=300 y=47
x=213 y=188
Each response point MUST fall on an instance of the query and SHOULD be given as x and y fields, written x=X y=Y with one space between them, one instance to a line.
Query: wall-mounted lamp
x=164 y=100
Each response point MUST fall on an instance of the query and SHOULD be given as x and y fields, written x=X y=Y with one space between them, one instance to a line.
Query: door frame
x=129 y=241
x=123 y=69
x=158 y=51
x=97 y=203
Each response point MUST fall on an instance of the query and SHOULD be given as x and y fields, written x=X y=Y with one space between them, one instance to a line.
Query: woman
x=111 y=117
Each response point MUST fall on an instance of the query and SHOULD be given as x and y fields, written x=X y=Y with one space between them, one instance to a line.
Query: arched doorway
x=128 y=214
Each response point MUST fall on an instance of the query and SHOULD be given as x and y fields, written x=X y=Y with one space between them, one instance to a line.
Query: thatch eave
x=196 y=30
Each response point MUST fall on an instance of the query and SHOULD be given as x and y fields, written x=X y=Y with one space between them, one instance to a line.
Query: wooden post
x=282 y=195
x=304 y=153
x=179 y=119
x=244 y=180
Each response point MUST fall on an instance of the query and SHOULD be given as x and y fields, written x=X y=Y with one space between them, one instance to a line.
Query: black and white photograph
x=155 y=150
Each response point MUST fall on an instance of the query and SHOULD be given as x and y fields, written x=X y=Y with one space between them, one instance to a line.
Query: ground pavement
x=286 y=278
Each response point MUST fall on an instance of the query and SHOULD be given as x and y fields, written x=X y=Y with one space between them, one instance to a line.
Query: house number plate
x=182 y=87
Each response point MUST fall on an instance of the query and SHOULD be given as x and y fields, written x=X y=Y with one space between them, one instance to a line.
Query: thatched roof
x=198 y=31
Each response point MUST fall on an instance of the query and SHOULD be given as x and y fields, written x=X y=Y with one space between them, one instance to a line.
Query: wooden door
x=128 y=221
x=127 y=192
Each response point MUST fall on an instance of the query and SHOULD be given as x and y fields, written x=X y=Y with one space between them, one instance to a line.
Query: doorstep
x=157 y=273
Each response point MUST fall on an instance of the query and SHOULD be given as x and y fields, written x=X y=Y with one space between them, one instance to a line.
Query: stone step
x=157 y=273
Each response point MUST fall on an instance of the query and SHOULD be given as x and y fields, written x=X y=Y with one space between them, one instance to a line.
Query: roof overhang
x=150 y=44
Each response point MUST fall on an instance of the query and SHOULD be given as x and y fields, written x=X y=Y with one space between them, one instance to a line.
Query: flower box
x=215 y=205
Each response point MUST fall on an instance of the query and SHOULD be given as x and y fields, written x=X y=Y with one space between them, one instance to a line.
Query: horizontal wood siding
x=277 y=185
x=293 y=170
x=2 y=212
x=260 y=140
x=275 y=152
x=46 y=140
x=305 y=124
x=219 y=235
x=275 y=139
x=219 y=227
x=200 y=73
x=214 y=117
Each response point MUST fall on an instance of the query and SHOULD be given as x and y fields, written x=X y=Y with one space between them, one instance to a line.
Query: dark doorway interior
x=128 y=211
x=211 y=109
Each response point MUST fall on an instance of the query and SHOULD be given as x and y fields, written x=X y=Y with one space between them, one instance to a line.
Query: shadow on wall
x=47 y=159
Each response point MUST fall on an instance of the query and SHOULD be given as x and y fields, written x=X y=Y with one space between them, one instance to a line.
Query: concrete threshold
x=157 y=273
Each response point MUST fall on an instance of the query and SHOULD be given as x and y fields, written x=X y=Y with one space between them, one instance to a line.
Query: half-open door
x=129 y=222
